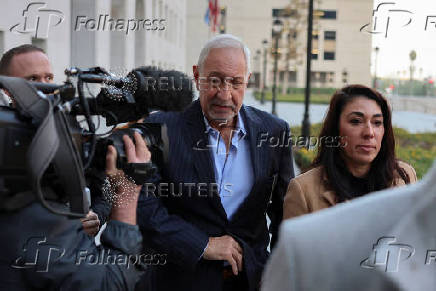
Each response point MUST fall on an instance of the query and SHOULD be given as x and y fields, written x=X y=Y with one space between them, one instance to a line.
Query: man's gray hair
x=224 y=41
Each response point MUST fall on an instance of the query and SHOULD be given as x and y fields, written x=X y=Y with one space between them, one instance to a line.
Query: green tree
x=412 y=57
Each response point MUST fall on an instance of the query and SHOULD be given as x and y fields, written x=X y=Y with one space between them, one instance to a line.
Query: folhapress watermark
x=41 y=255
x=387 y=254
x=387 y=16
x=286 y=139
x=105 y=257
x=106 y=23
x=38 y=254
x=37 y=20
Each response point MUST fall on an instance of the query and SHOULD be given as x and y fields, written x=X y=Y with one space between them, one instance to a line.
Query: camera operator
x=28 y=62
x=31 y=63
x=44 y=251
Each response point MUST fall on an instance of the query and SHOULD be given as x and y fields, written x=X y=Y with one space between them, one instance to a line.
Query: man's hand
x=138 y=153
x=91 y=223
x=227 y=249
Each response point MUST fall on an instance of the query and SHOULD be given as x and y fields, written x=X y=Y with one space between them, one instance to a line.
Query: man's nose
x=224 y=93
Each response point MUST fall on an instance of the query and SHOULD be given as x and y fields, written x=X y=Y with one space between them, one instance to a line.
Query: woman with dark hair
x=364 y=161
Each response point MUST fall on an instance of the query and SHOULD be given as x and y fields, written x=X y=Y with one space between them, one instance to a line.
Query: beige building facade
x=341 y=53
x=118 y=35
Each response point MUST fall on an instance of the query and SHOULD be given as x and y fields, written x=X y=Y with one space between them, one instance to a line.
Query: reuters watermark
x=106 y=23
x=165 y=83
x=203 y=83
x=187 y=189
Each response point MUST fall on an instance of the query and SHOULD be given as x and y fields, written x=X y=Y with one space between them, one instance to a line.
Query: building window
x=329 y=45
x=281 y=76
x=284 y=13
x=255 y=80
x=329 y=35
x=292 y=76
x=315 y=76
x=322 y=78
x=331 y=77
x=328 y=14
x=315 y=44
x=329 y=56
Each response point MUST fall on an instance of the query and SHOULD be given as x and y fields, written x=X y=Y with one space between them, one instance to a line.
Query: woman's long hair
x=383 y=167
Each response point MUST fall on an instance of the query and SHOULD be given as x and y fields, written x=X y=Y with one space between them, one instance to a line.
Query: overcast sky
x=401 y=37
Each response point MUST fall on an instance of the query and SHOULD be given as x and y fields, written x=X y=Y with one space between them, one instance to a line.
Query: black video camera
x=43 y=146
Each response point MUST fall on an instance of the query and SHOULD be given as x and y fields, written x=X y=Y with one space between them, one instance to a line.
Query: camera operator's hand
x=91 y=223
x=139 y=153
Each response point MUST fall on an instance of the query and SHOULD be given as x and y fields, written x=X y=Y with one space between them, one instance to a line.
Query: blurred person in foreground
x=208 y=213
x=31 y=63
x=44 y=251
x=385 y=241
x=362 y=160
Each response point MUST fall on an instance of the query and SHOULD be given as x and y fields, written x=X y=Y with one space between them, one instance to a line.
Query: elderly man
x=208 y=213
x=31 y=63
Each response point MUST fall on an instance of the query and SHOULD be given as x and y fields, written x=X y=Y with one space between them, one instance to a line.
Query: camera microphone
x=143 y=90
x=162 y=90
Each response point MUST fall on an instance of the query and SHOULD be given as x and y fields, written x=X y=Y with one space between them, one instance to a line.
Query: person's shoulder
x=367 y=207
x=266 y=117
x=311 y=176
x=163 y=116
x=407 y=167
x=410 y=171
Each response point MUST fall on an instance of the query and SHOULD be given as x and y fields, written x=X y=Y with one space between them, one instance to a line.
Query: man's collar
x=239 y=127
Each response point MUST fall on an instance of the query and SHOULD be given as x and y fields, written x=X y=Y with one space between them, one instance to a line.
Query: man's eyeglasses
x=227 y=83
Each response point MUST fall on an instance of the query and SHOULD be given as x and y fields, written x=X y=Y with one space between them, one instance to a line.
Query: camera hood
x=51 y=144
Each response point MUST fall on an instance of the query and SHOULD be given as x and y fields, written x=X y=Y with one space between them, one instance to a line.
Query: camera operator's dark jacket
x=180 y=225
x=43 y=251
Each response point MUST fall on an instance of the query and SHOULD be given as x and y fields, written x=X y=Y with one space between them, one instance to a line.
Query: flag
x=206 y=15
x=211 y=15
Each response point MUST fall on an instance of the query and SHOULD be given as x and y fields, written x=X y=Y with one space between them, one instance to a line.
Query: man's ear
x=196 y=76
x=248 y=79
